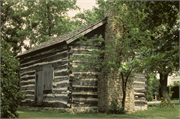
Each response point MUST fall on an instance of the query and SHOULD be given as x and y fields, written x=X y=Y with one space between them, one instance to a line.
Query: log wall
x=57 y=57
x=84 y=84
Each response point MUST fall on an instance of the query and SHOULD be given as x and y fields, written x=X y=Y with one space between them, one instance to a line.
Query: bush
x=115 y=109
x=152 y=87
x=164 y=103
x=10 y=95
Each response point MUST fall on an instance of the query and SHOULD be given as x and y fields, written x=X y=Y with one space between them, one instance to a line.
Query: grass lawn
x=152 y=112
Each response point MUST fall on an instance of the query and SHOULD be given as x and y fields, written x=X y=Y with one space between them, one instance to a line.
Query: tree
x=12 y=24
x=159 y=51
x=90 y=16
x=47 y=19
x=119 y=52
x=140 y=37
x=10 y=94
x=152 y=87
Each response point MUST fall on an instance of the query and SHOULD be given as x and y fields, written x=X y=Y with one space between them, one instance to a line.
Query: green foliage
x=141 y=39
x=89 y=16
x=164 y=103
x=171 y=93
x=47 y=19
x=152 y=87
x=114 y=108
x=174 y=85
x=10 y=94
x=12 y=24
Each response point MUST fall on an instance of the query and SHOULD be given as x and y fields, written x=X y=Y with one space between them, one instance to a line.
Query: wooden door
x=48 y=76
x=39 y=88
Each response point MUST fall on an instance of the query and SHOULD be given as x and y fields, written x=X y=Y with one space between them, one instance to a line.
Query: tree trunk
x=164 y=89
x=123 y=100
x=124 y=91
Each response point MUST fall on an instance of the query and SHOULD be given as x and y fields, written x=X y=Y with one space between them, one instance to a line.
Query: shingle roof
x=66 y=37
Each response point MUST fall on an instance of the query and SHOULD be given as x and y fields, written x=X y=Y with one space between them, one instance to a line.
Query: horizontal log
x=55 y=101
x=84 y=93
x=139 y=76
x=62 y=83
x=139 y=94
x=28 y=73
x=60 y=72
x=141 y=90
x=82 y=105
x=80 y=86
x=28 y=76
x=60 y=67
x=56 y=95
x=140 y=103
x=139 y=85
x=29 y=95
x=84 y=90
x=60 y=98
x=83 y=96
x=84 y=77
x=92 y=69
x=60 y=78
x=28 y=91
x=27 y=87
x=45 y=53
x=27 y=100
x=85 y=82
x=84 y=73
x=141 y=98
x=140 y=80
x=43 y=63
x=84 y=99
x=39 y=68
x=45 y=59
x=32 y=81
x=61 y=89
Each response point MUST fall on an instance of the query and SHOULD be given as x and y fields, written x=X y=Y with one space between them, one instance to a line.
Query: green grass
x=152 y=112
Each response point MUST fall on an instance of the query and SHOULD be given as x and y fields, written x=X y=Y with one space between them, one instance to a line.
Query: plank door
x=47 y=76
x=39 y=88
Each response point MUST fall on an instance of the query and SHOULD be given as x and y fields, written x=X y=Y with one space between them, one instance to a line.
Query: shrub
x=164 y=103
x=152 y=86
x=115 y=109
x=10 y=95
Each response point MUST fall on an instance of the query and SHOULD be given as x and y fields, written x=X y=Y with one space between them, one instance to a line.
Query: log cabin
x=47 y=83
